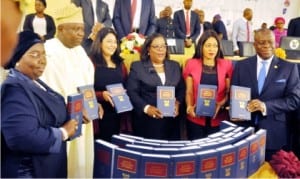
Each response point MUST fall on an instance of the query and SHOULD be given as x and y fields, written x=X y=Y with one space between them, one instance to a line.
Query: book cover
x=155 y=166
x=227 y=162
x=166 y=150
x=166 y=100
x=228 y=129
x=262 y=137
x=225 y=124
x=206 y=100
x=172 y=145
x=75 y=106
x=104 y=159
x=119 y=97
x=238 y=102
x=215 y=135
x=140 y=148
x=126 y=163
x=242 y=149
x=183 y=166
x=159 y=141
x=152 y=144
x=121 y=141
x=208 y=164
x=131 y=136
x=90 y=103
x=253 y=161
x=190 y=149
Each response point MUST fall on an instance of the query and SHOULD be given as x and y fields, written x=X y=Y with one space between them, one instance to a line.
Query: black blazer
x=143 y=80
x=50 y=25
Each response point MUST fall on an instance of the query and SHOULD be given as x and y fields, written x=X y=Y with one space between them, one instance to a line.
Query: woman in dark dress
x=154 y=69
x=109 y=69
x=34 y=124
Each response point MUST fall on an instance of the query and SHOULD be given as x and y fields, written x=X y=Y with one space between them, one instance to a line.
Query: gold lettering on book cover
x=166 y=103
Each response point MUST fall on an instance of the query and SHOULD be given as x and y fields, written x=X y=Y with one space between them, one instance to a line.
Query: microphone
x=151 y=70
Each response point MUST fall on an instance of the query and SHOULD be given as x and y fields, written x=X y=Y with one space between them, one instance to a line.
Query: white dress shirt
x=137 y=17
x=239 y=32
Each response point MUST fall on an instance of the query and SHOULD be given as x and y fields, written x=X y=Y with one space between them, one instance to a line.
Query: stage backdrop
x=230 y=10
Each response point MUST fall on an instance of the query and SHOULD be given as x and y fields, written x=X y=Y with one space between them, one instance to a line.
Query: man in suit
x=127 y=19
x=294 y=27
x=95 y=16
x=204 y=25
x=165 y=25
x=186 y=23
x=273 y=96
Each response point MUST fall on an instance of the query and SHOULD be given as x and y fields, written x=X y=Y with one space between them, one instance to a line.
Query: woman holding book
x=154 y=69
x=109 y=69
x=206 y=67
x=34 y=124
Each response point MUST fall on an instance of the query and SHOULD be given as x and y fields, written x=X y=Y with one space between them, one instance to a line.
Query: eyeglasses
x=157 y=47
x=37 y=55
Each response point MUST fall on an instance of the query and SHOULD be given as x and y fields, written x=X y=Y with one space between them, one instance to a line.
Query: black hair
x=43 y=2
x=199 y=47
x=145 y=48
x=96 y=53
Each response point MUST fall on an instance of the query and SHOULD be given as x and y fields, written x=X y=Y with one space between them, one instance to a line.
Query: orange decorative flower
x=279 y=52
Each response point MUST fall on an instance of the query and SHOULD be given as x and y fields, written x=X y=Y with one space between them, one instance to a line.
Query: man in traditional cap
x=69 y=67
x=10 y=19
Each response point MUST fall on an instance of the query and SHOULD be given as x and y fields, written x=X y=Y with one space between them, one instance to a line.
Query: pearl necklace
x=158 y=65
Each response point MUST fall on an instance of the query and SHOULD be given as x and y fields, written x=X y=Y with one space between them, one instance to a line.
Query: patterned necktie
x=187 y=24
x=262 y=76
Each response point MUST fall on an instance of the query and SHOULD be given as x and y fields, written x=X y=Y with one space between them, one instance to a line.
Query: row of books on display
x=233 y=152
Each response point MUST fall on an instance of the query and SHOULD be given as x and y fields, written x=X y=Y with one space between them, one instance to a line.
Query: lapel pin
x=275 y=66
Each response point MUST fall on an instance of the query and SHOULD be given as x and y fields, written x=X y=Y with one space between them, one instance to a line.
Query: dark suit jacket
x=103 y=16
x=180 y=30
x=50 y=26
x=88 y=14
x=166 y=27
x=28 y=114
x=141 y=88
x=122 y=22
x=294 y=27
x=280 y=93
